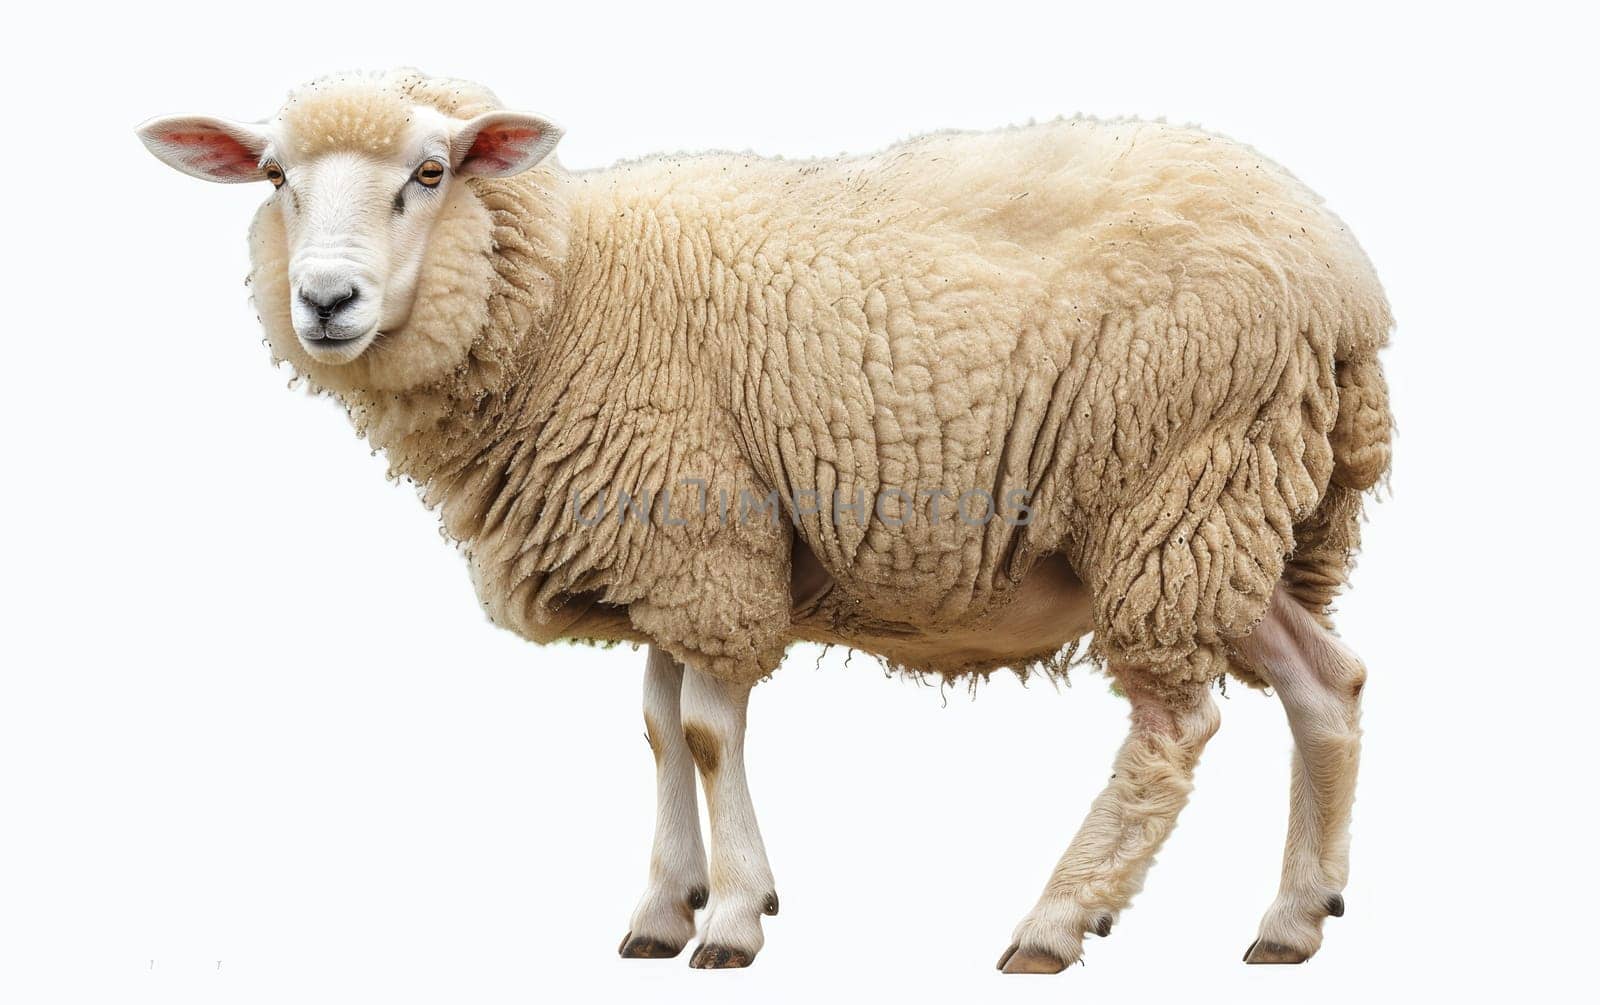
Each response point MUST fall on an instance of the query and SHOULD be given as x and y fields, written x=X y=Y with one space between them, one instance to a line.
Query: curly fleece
x=1160 y=336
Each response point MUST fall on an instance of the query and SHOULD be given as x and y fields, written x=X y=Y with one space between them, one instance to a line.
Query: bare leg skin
x=663 y=923
x=1106 y=863
x=1319 y=682
x=741 y=882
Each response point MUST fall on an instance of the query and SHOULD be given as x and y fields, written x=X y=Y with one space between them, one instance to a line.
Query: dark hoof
x=644 y=948
x=770 y=908
x=1261 y=951
x=1030 y=961
x=1335 y=906
x=698 y=897
x=1102 y=927
x=713 y=957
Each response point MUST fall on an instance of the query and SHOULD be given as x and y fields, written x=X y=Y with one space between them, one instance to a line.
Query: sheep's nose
x=327 y=303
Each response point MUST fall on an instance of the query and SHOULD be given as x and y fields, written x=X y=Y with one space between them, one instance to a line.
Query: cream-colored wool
x=1159 y=335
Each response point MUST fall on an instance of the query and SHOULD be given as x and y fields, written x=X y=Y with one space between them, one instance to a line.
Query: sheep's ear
x=213 y=149
x=497 y=144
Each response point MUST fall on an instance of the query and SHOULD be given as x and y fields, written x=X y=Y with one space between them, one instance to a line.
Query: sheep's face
x=360 y=184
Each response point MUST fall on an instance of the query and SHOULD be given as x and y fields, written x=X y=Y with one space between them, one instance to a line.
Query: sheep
x=960 y=404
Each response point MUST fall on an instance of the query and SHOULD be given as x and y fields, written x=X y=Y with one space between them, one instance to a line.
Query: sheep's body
x=1159 y=339
x=1144 y=328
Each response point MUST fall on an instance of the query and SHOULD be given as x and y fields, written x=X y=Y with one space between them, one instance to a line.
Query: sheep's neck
x=504 y=445
x=454 y=438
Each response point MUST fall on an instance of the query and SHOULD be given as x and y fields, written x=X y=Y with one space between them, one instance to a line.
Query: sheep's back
x=1137 y=325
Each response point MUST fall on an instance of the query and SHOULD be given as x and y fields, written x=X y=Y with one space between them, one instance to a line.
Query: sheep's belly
x=1031 y=623
x=1047 y=611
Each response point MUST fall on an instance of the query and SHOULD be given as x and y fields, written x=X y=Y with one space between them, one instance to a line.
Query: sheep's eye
x=275 y=175
x=431 y=173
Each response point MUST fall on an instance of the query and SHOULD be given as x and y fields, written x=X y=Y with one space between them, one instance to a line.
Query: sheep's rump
x=1157 y=335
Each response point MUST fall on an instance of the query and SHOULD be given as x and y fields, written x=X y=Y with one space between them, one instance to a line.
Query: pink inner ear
x=212 y=151
x=500 y=148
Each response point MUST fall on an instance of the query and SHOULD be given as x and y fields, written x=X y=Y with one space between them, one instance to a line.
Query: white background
x=257 y=741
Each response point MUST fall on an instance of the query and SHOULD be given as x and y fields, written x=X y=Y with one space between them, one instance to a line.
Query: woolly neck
x=441 y=395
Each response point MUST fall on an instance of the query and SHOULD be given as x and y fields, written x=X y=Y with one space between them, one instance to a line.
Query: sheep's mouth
x=336 y=349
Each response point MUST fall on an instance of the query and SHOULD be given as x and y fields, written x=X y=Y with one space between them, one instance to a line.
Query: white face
x=357 y=222
x=358 y=226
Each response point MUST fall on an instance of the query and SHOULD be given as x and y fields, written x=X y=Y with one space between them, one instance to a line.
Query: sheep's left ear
x=497 y=144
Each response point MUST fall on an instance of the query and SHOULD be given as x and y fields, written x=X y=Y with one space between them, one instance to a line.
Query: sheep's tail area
x=1326 y=542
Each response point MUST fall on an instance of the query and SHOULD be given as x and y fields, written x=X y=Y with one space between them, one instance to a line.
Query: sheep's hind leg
x=1105 y=864
x=1319 y=682
x=663 y=923
x=741 y=882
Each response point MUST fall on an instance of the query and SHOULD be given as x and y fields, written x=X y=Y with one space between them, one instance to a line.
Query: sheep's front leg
x=741 y=882
x=1105 y=864
x=1319 y=682
x=663 y=923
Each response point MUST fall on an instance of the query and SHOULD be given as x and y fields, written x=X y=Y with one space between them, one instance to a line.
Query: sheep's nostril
x=330 y=304
x=327 y=305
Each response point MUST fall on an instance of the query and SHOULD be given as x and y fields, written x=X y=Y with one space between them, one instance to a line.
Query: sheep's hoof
x=714 y=957
x=1335 y=906
x=642 y=947
x=1031 y=961
x=1262 y=951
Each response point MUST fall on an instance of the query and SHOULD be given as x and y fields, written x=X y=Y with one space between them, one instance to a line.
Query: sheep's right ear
x=500 y=144
x=213 y=149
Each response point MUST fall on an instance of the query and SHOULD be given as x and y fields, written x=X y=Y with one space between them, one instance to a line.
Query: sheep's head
x=367 y=195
